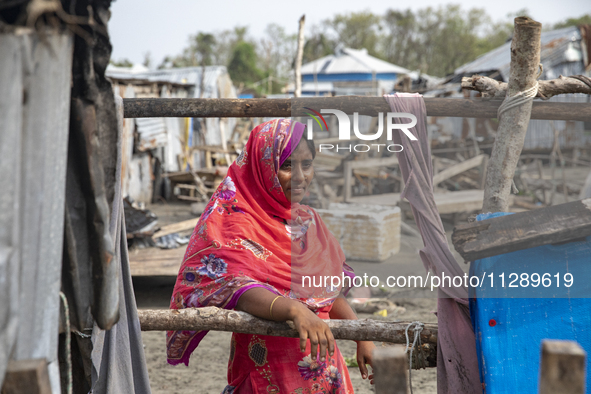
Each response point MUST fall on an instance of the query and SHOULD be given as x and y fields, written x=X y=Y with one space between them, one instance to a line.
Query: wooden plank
x=505 y=234
x=176 y=228
x=562 y=369
x=387 y=199
x=258 y=107
x=348 y=175
x=457 y=169
x=454 y=202
x=212 y=318
x=27 y=377
x=156 y=262
x=211 y=148
x=390 y=368
x=368 y=163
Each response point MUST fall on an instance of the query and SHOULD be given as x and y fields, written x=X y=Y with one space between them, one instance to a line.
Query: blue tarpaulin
x=511 y=322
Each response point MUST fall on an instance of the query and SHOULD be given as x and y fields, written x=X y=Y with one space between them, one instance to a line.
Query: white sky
x=163 y=27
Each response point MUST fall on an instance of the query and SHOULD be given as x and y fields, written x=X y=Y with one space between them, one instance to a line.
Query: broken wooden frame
x=505 y=234
x=349 y=166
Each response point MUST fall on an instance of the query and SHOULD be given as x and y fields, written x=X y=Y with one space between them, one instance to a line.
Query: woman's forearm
x=257 y=301
x=341 y=310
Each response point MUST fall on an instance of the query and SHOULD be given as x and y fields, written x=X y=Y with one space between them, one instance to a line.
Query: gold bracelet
x=271 y=308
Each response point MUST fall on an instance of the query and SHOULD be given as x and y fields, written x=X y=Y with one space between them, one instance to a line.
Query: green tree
x=582 y=20
x=121 y=63
x=243 y=64
x=358 y=30
x=438 y=40
x=317 y=46
x=276 y=53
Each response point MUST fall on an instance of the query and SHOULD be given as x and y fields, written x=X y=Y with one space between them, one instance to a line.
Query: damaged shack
x=153 y=147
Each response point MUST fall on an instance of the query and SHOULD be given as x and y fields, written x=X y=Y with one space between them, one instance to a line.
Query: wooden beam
x=211 y=318
x=562 y=369
x=27 y=377
x=453 y=202
x=457 y=169
x=492 y=88
x=505 y=234
x=371 y=106
x=156 y=261
x=390 y=368
x=176 y=228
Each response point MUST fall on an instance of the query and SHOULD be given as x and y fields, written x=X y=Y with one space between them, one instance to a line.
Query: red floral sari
x=249 y=236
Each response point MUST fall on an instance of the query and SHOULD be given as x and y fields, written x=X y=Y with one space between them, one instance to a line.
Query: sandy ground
x=207 y=370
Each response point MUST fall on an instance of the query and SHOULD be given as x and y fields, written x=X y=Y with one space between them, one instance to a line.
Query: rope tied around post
x=520 y=98
x=69 y=380
x=417 y=327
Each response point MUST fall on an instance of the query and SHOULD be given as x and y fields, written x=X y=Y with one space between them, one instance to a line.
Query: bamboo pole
x=252 y=108
x=525 y=62
x=216 y=319
x=299 y=57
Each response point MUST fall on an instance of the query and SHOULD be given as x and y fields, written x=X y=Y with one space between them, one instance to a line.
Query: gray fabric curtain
x=457 y=363
x=118 y=361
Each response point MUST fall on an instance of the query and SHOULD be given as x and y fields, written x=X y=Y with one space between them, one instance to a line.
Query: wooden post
x=27 y=377
x=299 y=56
x=525 y=61
x=390 y=368
x=562 y=369
x=348 y=175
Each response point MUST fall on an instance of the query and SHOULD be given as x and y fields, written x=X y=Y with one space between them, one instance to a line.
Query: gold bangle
x=271 y=308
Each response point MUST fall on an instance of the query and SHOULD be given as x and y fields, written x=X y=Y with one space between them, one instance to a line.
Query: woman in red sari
x=249 y=251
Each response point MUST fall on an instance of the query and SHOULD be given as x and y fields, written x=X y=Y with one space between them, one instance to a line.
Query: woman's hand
x=364 y=357
x=261 y=302
x=311 y=327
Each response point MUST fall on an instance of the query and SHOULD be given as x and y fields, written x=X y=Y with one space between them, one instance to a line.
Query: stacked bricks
x=365 y=232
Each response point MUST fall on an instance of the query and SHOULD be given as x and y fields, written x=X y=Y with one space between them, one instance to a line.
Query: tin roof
x=558 y=46
x=190 y=76
x=351 y=61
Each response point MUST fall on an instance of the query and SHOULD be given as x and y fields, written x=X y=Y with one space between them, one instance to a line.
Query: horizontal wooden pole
x=524 y=230
x=216 y=319
x=250 y=108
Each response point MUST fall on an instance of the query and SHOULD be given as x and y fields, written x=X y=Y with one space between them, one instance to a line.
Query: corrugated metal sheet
x=561 y=54
x=152 y=132
x=558 y=46
x=350 y=61
x=540 y=133
x=33 y=146
x=216 y=83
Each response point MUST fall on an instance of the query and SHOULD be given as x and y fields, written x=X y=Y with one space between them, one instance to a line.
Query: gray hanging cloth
x=457 y=363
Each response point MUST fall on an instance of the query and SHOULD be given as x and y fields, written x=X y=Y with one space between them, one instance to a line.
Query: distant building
x=564 y=51
x=154 y=145
x=349 y=72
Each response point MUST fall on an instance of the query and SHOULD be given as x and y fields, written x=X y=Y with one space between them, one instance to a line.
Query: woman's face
x=296 y=173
